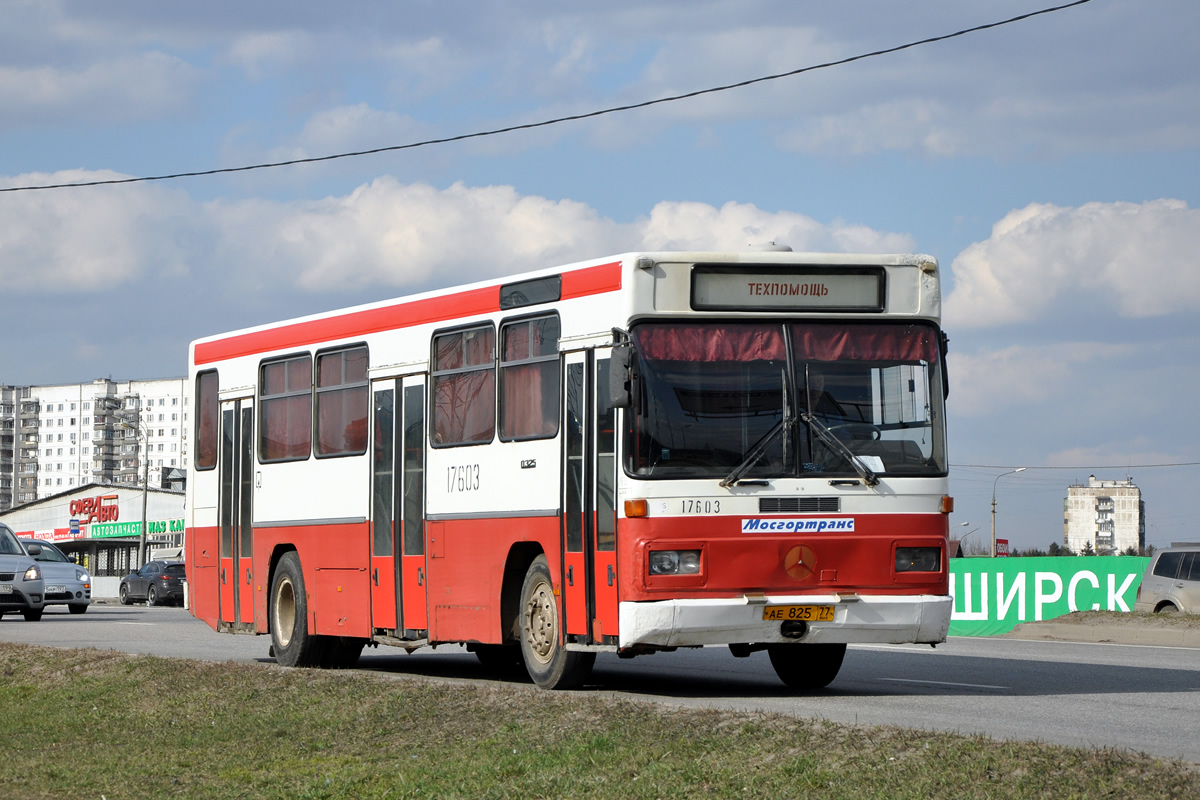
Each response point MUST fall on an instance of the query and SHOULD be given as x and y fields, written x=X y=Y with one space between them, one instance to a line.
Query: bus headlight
x=918 y=559
x=674 y=562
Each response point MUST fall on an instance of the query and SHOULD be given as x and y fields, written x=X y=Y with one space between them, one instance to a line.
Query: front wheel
x=77 y=608
x=32 y=616
x=125 y=595
x=806 y=666
x=547 y=661
x=293 y=644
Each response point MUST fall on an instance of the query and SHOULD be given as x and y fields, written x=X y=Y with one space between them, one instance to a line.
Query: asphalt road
x=1135 y=697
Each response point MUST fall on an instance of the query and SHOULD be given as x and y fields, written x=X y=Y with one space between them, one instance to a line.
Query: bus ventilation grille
x=793 y=505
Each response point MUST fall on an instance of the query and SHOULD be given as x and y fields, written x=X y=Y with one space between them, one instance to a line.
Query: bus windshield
x=764 y=399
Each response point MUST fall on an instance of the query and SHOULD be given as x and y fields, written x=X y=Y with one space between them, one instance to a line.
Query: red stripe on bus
x=578 y=283
x=593 y=280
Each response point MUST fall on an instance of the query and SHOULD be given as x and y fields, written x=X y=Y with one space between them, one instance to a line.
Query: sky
x=1051 y=165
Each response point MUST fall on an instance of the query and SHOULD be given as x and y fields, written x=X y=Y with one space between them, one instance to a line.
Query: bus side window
x=207 y=416
x=464 y=386
x=529 y=379
x=285 y=409
x=342 y=402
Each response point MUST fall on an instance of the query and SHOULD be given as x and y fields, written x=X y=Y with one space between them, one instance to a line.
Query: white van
x=1171 y=582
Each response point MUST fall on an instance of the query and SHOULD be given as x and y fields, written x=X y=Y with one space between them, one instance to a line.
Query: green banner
x=994 y=595
x=109 y=530
x=115 y=529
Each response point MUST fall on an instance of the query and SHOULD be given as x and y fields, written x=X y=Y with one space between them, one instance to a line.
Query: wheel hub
x=542 y=627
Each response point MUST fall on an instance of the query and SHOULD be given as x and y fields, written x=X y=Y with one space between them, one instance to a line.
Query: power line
x=557 y=120
x=1084 y=466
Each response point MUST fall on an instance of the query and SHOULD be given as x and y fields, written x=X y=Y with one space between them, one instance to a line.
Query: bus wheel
x=294 y=645
x=806 y=666
x=548 y=663
x=499 y=658
x=341 y=652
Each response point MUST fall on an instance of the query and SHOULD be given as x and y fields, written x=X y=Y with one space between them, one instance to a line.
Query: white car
x=67 y=583
x=21 y=585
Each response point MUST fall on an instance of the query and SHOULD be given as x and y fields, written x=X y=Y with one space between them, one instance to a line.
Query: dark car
x=156 y=582
x=67 y=583
x=21 y=585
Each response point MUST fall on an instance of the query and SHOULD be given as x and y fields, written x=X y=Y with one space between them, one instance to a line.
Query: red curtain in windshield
x=811 y=341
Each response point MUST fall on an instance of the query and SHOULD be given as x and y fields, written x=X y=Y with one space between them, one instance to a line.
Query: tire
x=806 y=666
x=77 y=608
x=125 y=601
x=32 y=616
x=340 y=652
x=294 y=645
x=151 y=596
x=501 y=659
x=548 y=662
x=1166 y=608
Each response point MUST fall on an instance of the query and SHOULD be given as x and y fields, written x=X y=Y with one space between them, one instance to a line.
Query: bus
x=626 y=455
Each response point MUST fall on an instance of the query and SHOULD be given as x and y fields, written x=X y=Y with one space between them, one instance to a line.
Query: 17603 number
x=701 y=506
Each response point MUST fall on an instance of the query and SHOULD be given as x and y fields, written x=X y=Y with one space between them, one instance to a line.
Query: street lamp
x=998 y=477
x=141 y=432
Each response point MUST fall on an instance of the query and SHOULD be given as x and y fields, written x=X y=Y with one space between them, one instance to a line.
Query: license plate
x=5 y=588
x=53 y=589
x=805 y=613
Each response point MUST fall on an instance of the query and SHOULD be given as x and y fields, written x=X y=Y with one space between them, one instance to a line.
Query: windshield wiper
x=756 y=452
x=830 y=438
x=783 y=426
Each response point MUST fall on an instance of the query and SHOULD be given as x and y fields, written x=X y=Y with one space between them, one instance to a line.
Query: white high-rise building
x=53 y=438
x=1110 y=515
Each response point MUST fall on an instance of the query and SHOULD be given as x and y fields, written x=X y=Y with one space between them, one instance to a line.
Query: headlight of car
x=33 y=573
x=81 y=575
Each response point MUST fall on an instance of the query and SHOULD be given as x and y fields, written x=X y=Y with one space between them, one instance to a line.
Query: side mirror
x=34 y=550
x=73 y=558
x=620 y=376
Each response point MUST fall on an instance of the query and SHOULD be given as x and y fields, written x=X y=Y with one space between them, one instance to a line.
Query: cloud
x=385 y=234
x=1134 y=260
x=994 y=380
x=350 y=128
x=115 y=89
x=91 y=239
x=263 y=54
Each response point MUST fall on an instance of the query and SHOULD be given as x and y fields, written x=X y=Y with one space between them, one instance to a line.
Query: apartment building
x=54 y=438
x=1107 y=514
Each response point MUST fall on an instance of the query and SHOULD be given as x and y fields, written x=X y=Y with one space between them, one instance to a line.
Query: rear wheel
x=125 y=595
x=293 y=643
x=806 y=666
x=32 y=616
x=152 y=596
x=1166 y=608
x=547 y=661
x=340 y=652
x=77 y=608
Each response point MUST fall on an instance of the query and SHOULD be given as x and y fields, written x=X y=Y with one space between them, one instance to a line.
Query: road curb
x=1113 y=634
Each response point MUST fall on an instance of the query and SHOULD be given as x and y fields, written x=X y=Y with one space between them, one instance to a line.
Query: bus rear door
x=237 y=530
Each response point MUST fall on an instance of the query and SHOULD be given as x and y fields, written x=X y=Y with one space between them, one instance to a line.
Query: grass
x=93 y=724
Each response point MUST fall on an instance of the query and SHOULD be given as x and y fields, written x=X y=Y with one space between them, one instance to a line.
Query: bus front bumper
x=879 y=619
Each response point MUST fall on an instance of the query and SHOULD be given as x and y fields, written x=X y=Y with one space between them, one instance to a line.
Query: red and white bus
x=627 y=455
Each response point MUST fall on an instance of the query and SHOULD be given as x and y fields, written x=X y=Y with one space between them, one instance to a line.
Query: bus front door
x=398 y=600
x=237 y=530
x=589 y=568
